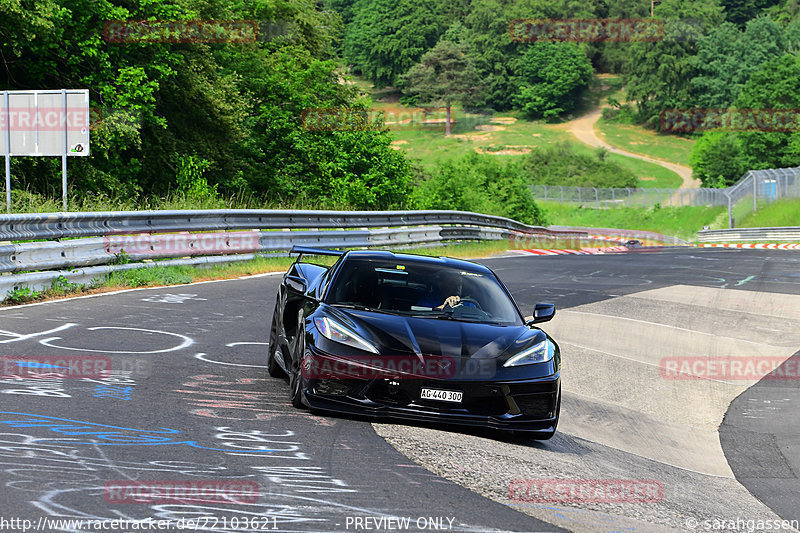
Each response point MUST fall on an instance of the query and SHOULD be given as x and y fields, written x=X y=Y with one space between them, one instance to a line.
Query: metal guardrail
x=95 y=239
x=66 y=225
x=788 y=233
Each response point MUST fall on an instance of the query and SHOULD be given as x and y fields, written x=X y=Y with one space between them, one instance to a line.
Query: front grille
x=333 y=387
x=537 y=405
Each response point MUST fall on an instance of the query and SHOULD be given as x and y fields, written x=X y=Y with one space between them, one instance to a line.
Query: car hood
x=397 y=335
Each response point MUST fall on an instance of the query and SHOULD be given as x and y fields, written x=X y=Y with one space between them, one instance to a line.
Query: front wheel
x=274 y=351
x=296 y=380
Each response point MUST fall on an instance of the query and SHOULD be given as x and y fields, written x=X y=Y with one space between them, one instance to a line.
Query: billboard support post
x=66 y=149
x=8 y=154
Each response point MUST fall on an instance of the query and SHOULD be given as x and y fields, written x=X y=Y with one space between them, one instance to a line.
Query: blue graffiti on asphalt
x=105 y=435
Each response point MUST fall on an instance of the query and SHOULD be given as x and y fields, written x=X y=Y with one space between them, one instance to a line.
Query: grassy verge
x=780 y=213
x=643 y=141
x=649 y=174
x=682 y=222
x=157 y=276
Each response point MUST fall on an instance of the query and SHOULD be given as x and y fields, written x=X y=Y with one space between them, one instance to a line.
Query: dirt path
x=583 y=128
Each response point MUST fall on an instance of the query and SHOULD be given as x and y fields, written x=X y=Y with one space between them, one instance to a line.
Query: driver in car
x=449 y=287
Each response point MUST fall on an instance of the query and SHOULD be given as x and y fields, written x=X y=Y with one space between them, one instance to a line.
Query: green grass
x=647 y=142
x=780 y=213
x=682 y=222
x=27 y=202
x=650 y=175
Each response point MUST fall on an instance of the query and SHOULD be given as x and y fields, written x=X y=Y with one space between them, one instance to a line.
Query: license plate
x=442 y=395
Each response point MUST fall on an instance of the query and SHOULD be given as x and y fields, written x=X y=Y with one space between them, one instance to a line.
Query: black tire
x=273 y=368
x=296 y=380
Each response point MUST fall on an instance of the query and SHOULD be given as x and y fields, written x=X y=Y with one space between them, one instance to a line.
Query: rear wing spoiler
x=301 y=250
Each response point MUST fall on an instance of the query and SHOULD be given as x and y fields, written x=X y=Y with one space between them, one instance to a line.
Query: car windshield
x=420 y=289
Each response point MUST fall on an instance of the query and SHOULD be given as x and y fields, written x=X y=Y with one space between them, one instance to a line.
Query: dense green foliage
x=209 y=118
x=560 y=164
x=551 y=78
x=720 y=158
x=481 y=183
x=215 y=121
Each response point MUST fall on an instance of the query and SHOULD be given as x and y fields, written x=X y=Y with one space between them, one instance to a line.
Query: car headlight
x=337 y=332
x=541 y=353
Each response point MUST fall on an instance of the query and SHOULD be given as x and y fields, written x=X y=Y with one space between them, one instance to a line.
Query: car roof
x=443 y=262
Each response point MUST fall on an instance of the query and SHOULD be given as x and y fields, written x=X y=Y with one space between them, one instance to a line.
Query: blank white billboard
x=44 y=123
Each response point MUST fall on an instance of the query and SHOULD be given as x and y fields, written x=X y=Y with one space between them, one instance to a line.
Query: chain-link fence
x=629 y=197
x=755 y=188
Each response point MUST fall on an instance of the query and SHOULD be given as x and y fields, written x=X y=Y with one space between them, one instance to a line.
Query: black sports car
x=418 y=338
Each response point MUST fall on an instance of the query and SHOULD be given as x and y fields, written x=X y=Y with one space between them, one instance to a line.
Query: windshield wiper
x=357 y=307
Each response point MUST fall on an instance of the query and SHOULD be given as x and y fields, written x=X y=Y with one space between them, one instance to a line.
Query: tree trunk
x=447 y=124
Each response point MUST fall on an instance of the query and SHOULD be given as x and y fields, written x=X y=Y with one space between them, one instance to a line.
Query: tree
x=727 y=57
x=776 y=85
x=658 y=73
x=739 y=12
x=387 y=37
x=551 y=78
x=443 y=76
x=717 y=159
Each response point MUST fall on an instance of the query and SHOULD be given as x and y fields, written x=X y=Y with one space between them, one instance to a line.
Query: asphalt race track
x=189 y=399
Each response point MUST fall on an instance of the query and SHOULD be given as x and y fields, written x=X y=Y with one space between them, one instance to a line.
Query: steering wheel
x=472 y=301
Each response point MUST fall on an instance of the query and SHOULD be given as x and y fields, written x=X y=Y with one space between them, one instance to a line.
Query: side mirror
x=543 y=313
x=296 y=284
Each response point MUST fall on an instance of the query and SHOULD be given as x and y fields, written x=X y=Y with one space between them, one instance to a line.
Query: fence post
x=579 y=196
x=545 y=193
x=755 y=192
x=613 y=196
x=562 y=193
x=730 y=210
x=644 y=201
x=596 y=198
x=658 y=196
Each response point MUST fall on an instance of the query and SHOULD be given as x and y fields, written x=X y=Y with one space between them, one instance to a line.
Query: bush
x=560 y=164
x=482 y=184
x=717 y=159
